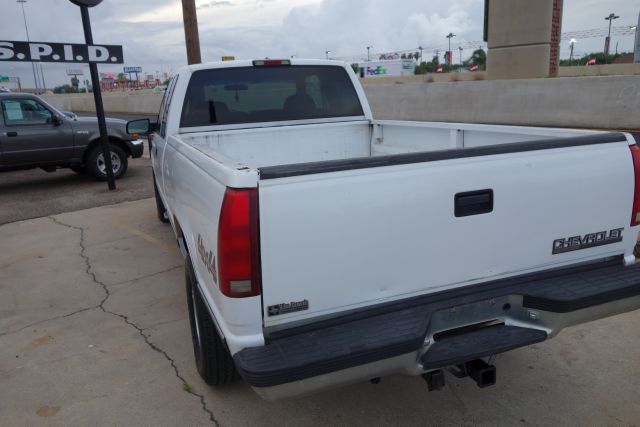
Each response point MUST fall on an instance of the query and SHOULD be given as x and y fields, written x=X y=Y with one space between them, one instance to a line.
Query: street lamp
x=26 y=28
x=572 y=43
x=450 y=36
x=609 y=18
x=327 y=52
x=368 y=53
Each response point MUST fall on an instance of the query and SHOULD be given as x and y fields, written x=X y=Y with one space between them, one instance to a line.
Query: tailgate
x=336 y=236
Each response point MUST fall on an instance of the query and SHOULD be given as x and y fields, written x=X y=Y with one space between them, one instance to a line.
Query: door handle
x=12 y=134
x=473 y=203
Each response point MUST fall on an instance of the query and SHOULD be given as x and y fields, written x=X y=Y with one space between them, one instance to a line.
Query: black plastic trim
x=399 y=328
x=299 y=169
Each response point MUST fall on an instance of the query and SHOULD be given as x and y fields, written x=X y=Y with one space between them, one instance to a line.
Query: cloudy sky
x=152 y=34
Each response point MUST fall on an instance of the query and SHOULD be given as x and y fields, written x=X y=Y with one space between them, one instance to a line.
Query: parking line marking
x=145 y=236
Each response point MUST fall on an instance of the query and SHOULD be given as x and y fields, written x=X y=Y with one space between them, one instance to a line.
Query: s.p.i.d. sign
x=60 y=52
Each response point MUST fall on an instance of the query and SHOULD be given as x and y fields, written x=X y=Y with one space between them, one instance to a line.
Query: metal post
x=97 y=96
x=44 y=84
x=192 y=39
x=26 y=28
x=368 y=53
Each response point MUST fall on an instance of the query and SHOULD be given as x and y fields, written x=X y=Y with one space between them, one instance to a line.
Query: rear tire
x=96 y=166
x=213 y=361
x=162 y=211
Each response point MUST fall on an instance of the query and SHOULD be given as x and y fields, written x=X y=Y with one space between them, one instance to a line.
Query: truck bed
x=288 y=145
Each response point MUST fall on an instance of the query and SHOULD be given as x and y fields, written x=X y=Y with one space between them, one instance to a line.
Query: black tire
x=95 y=162
x=162 y=211
x=213 y=361
x=78 y=169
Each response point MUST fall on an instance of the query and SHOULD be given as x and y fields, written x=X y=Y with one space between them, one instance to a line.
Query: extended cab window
x=25 y=112
x=267 y=94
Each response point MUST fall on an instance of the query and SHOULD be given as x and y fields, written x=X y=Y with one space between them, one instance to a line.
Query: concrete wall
x=519 y=38
x=128 y=102
x=586 y=102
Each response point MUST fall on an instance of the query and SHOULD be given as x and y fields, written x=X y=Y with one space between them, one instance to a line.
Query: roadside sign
x=5 y=79
x=88 y=3
x=129 y=70
x=74 y=72
x=60 y=52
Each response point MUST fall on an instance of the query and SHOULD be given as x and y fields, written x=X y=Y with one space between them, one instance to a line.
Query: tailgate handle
x=473 y=203
x=12 y=134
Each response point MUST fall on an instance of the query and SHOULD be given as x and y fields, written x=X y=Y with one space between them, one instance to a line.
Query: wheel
x=215 y=364
x=78 y=169
x=96 y=166
x=162 y=211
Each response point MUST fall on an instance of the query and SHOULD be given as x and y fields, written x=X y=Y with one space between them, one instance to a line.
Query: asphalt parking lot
x=94 y=330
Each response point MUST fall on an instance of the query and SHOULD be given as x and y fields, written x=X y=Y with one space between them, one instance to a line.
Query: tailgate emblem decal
x=587 y=241
x=208 y=259
x=278 y=309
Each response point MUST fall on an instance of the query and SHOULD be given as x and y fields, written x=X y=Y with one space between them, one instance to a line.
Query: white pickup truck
x=323 y=247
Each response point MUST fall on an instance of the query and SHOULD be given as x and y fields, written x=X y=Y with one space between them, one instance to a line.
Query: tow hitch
x=481 y=372
x=478 y=370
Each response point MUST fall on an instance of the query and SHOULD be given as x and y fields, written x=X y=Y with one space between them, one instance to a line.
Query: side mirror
x=140 y=127
x=57 y=121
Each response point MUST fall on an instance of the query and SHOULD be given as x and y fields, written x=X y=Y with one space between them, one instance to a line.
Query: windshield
x=267 y=94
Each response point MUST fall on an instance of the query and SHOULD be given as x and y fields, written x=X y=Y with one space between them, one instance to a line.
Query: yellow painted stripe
x=154 y=241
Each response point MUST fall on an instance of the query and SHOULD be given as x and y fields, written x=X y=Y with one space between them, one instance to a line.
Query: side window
x=21 y=112
x=166 y=104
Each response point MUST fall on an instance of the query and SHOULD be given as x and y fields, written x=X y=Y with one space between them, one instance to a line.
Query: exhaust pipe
x=481 y=372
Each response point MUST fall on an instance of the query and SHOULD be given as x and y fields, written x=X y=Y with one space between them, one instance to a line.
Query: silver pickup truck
x=35 y=134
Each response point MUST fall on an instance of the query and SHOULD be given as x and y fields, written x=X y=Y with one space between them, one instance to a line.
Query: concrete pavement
x=94 y=330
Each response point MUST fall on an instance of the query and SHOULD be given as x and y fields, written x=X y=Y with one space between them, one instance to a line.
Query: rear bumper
x=398 y=338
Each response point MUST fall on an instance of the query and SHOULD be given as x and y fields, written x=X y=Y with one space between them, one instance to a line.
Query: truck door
x=31 y=135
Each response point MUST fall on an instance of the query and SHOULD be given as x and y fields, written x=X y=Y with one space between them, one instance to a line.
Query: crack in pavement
x=61 y=316
x=89 y=271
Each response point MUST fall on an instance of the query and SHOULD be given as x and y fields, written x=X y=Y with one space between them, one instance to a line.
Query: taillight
x=272 y=63
x=239 y=244
x=635 y=218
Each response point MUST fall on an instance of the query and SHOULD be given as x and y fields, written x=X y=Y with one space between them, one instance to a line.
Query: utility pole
x=191 y=36
x=572 y=43
x=368 y=53
x=607 y=42
x=450 y=36
x=26 y=28
x=421 y=49
x=461 y=49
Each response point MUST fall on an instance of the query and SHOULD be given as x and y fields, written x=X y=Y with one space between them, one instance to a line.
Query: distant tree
x=403 y=56
x=356 y=68
x=75 y=82
x=479 y=58
x=416 y=56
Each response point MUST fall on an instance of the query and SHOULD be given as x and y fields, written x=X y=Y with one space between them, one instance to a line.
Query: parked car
x=35 y=134
x=323 y=247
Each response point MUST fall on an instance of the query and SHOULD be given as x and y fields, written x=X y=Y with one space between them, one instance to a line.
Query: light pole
x=635 y=37
x=572 y=43
x=26 y=28
x=607 y=43
x=421 y=49
x=450 y=36
x=327 y=52
x=369 y=53
x=460 y=49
